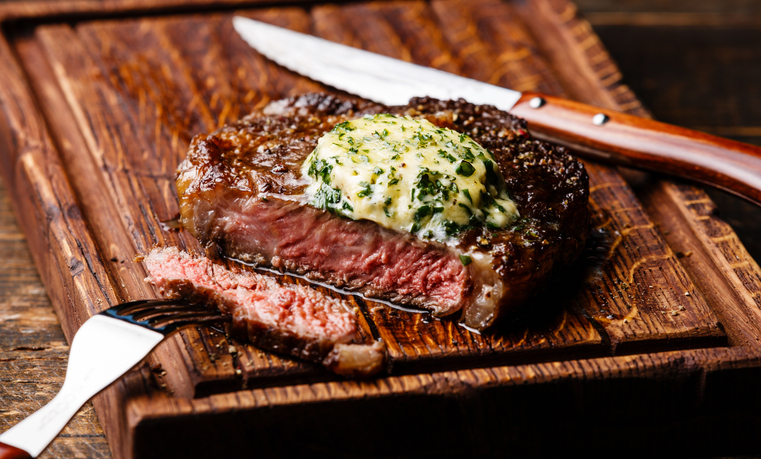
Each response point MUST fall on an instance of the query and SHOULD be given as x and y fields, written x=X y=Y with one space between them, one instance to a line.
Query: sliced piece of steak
x=289 y=319
x=242 y=195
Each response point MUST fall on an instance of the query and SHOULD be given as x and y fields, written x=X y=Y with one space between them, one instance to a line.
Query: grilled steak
x=289 y=319
x=241 y=194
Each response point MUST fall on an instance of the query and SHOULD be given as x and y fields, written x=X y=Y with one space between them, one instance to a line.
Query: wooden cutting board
x=657 y=324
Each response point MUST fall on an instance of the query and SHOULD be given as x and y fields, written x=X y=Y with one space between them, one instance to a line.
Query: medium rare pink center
x=298 y=309
x=350 y=253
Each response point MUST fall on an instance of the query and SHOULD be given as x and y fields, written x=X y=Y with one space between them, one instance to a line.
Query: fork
x=104 y=348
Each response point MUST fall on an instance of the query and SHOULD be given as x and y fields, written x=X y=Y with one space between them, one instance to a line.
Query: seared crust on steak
x=242 y=194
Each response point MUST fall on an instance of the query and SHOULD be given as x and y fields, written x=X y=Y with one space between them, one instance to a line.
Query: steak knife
x=594 y=133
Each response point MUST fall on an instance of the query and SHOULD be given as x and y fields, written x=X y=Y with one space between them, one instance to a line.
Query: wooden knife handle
x=641 y=143
x=11 y=452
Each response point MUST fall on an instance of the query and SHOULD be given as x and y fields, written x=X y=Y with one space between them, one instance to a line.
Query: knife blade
x=365 y=74
x=594 y=133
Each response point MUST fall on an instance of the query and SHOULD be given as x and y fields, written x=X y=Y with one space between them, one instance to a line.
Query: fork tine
x=132 y=307
x=166 y=315
x=168 y=310
x=173 y=323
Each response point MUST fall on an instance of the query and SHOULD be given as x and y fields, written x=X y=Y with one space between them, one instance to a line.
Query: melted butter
x=408 y=175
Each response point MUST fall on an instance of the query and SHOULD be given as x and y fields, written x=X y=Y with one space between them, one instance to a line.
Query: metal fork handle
x=103 y=349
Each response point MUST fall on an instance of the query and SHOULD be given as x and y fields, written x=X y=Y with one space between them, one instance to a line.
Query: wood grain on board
x=98 y=113
x=135 y=96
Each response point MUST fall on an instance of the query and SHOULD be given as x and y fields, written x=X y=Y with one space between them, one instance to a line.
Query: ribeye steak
x=241 y=194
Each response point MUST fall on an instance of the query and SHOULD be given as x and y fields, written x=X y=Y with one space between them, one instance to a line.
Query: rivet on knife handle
x=646 y=144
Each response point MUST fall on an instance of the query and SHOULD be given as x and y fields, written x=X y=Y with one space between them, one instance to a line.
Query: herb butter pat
x=408 y=174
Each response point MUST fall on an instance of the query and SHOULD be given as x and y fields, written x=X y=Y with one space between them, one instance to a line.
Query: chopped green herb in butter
x=408 y=174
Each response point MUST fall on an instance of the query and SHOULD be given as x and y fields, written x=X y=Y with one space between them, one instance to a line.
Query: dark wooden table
x=696 y=64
